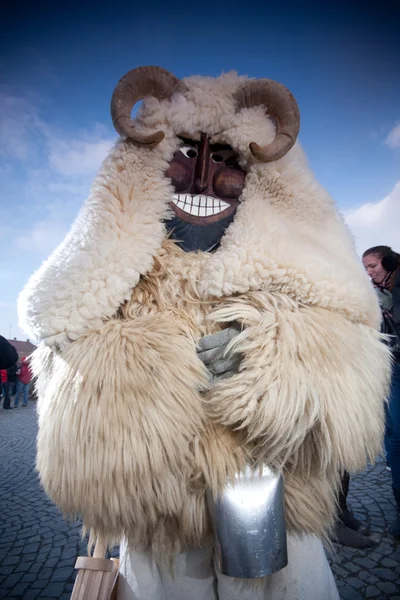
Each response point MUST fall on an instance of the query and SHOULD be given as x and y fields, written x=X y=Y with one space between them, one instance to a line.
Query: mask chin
x=192 y=238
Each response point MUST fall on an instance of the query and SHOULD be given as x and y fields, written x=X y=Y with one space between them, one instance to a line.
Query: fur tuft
x=299 y=367
x=118 y=414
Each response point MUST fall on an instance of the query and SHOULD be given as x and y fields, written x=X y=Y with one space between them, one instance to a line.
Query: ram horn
x=281 y=105
x=134 y=86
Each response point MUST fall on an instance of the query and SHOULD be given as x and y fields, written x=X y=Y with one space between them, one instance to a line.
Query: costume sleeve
x=8 y=354
x=311 y=386
x=111 y=243
x=118 y=410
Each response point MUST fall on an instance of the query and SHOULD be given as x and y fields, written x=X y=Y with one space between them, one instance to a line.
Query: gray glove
x=212 y=352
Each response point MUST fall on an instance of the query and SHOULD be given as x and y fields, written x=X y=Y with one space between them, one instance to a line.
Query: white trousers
x=306 y=577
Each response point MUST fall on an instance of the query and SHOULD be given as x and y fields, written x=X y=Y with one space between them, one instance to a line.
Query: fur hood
x=286 y=237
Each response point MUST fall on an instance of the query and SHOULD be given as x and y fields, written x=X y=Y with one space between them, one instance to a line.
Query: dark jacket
x=396 y=309
x=8 y=354
x=390 y=306
x=12 y=373
x=396 y=300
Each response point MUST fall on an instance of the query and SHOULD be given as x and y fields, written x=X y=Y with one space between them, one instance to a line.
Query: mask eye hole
x=231 y=162
x=189 y=151
x=220 y=156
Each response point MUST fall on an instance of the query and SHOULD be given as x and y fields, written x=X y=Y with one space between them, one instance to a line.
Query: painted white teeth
x=200 y=205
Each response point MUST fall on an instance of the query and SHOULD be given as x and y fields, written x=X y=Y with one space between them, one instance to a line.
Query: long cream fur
x=298 y=367
x=131 y=430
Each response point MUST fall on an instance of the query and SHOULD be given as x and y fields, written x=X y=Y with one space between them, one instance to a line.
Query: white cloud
x=376 y=223
x=42 y=237
x=18 y=121
x=49 y=171
x=77 y=157
x=393 y=138
x=26 y=136
x=59 y=206
x=68 y=188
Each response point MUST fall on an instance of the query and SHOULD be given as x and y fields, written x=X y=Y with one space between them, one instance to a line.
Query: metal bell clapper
x=249 y=525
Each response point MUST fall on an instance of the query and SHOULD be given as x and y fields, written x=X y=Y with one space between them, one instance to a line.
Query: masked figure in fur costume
x=203 y=221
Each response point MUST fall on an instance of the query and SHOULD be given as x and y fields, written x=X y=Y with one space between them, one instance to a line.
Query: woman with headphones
x=383 y=266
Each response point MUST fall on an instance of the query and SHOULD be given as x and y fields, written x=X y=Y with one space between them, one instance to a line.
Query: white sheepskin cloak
x=128 y=437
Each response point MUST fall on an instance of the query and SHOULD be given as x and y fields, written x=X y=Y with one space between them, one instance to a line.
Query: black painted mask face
x=208 y=182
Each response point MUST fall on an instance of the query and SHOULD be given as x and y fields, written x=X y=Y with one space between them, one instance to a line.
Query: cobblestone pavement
x=38 y=548
x=374 y=572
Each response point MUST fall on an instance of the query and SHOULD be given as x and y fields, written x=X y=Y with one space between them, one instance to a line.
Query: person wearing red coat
x=24 y=380
x=8 y=357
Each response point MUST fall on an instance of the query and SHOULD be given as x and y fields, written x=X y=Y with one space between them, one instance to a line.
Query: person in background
x=383 y=266
x=23 y=383
x=8 y=357
x=3 y=381
x=349 y=531
x=9 y=386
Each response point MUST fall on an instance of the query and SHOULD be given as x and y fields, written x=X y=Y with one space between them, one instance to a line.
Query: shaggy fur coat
x=131 y=432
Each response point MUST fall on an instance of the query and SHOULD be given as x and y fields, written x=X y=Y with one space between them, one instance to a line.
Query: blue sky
x=59 y=65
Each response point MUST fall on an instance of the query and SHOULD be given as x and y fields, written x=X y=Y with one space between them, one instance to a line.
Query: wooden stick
x=100 y=548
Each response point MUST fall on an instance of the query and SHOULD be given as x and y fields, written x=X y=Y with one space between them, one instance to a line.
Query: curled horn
x=281 y=105
x=134 y=86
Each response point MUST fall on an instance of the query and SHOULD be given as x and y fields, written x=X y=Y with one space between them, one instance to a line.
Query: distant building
x=23 y=348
